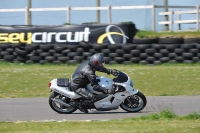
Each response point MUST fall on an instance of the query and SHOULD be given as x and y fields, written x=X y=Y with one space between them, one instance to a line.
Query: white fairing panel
x=107 y=104
x=118 y=98
x=105 y=82
x=63 y=90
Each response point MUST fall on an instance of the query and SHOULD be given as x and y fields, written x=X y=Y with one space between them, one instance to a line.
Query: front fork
x=132 y=92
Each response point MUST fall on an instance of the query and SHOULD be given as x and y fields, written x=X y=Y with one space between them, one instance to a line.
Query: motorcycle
x=124 y=96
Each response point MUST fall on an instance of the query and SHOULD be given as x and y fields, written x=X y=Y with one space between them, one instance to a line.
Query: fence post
x=68 y=14
x=26 y=15
x=153 y=17
x=197 y=17
x=179 y=19
x=171 y=20
x=109 y=15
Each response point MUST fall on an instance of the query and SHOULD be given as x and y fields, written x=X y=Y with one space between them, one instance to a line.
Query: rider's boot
x=90 y=103
x=79 y=106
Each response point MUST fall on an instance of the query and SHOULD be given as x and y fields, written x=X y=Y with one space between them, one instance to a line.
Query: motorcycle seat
x=63 y=82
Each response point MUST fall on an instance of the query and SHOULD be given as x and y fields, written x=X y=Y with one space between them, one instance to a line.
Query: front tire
x=59 y=108
x=134 y=103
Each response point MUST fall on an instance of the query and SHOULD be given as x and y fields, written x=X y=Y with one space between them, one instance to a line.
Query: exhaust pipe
x=60 y=102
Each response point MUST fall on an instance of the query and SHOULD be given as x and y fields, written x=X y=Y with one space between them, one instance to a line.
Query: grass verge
x=24 y=80
x=151 y=34
x=164 y=122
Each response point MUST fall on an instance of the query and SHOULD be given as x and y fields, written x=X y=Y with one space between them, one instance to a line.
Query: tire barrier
x=113 y=53
x=145 y=40
x=167 y=40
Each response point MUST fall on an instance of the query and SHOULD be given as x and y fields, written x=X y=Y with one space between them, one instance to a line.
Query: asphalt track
x=38 y=109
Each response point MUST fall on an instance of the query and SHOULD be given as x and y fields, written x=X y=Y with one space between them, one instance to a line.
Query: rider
x=85 y=74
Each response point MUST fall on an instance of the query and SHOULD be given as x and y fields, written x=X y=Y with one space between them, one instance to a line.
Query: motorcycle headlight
x=131 y=83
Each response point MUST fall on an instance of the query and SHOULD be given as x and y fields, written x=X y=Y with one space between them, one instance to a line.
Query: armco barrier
x=113 y=53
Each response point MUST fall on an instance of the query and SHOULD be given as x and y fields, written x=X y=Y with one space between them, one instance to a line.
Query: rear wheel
x=58 y=107
x=134 y=103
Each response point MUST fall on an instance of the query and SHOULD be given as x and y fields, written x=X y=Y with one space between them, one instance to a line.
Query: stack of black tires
x=142 y=51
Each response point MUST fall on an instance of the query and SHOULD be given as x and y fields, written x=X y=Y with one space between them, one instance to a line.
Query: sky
x=141 y=17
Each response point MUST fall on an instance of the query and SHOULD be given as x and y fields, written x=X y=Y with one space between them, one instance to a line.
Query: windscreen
x=121 y=78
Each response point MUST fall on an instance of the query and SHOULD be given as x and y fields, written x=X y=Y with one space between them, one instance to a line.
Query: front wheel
x=59 y=108
x=134 y=103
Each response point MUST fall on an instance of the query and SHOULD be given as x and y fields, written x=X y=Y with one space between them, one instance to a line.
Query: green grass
x=151 y=34
x=23 y=80
x=164 y=122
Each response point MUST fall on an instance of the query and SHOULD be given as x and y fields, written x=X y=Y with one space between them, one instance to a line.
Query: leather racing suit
x=83 y=75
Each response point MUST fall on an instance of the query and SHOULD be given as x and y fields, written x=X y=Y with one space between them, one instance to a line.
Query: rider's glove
x=114 y=73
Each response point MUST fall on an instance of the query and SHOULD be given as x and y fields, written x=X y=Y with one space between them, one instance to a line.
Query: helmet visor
x=101 y=64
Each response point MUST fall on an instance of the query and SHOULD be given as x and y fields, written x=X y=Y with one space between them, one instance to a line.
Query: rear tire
x=57 y=107
x=139 y=102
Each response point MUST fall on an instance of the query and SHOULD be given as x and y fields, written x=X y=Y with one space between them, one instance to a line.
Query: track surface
x=38 y=109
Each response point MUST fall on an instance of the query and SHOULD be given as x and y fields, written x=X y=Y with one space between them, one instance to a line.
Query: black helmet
x=97 y=62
